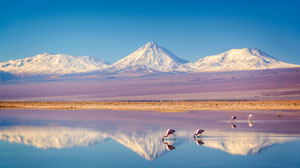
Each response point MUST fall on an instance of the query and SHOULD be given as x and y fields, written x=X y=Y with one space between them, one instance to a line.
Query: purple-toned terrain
x=235 y=85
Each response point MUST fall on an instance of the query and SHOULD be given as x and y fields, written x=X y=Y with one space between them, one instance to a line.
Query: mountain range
x=151 y=57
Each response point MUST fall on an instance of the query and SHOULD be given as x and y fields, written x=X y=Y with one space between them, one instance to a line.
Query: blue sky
x=113 y=29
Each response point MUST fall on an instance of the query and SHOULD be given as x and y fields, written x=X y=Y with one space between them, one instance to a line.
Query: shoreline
x=162 y=106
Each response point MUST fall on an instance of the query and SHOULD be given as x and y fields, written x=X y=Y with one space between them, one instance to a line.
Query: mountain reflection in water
x=146 y=143
x=108 y=138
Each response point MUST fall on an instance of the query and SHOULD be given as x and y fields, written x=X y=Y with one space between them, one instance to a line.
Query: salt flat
x=174 y=106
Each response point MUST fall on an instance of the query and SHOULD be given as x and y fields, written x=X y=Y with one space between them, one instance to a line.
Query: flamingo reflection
x=169 y=146
x=233 y=125
x=199 y=142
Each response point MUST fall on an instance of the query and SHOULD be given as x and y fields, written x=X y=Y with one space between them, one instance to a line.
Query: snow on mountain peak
x=239 y=59
x=47 y=63
x=248 y=52
x=150 y=44
x=149 y=57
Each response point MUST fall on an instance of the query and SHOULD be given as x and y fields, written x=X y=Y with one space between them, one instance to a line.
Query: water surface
x=103 y=138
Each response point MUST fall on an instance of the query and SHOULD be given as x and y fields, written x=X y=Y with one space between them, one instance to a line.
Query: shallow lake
x=103 y=138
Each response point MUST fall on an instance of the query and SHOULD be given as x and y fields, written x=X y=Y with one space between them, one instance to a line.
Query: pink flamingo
x=231 y=121
x=250 y=120
x=233 y=118
x=197 y=137
x=198 y=132
x=169 y=132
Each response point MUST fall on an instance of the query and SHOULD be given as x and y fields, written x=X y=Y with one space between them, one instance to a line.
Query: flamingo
x=233 y=118
x=250 y=117
x=198 y=132
x=231 y=121
x=169 y=132
x=197 y=137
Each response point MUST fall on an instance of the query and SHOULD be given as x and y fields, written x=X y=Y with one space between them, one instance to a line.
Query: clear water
x=48 y=138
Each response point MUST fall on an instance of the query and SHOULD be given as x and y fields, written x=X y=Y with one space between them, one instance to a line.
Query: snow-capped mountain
x=48 y=63
x=150 y=57
x=239 y=59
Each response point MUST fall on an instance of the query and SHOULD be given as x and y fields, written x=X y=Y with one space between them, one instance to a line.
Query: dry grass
x=179 y=106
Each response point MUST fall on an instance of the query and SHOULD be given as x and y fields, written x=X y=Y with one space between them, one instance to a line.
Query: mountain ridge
x=47 y=63
x=151 y=57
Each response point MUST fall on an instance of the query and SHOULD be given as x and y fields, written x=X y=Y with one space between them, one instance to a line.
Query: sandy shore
x=180 y=106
